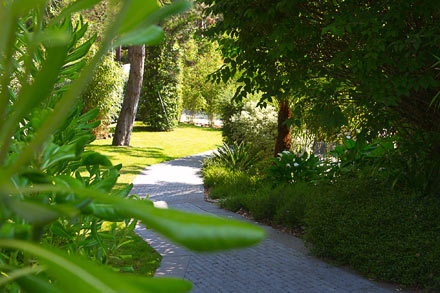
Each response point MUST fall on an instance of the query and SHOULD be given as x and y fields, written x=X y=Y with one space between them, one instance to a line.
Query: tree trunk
x=283 y=138
x=126 y=118
x=118 y=54
x=211 y=118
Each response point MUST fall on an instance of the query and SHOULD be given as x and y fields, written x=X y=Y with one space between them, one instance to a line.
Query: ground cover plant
x=352 y=209
x=53 y=234
x=149 y=147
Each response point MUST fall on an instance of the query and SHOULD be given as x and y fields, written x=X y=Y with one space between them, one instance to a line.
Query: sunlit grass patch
x=148 y=148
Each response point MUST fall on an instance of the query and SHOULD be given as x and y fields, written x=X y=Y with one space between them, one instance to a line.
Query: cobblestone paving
x=279 y=264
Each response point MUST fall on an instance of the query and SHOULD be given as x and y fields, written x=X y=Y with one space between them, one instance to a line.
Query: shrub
x=159 y=104
x=382 y=233
x=289 y=167
x=225 y=182
x=105 y=92
x=285 y=204
x=236 y=157
x=293 y=201
x=252 y=125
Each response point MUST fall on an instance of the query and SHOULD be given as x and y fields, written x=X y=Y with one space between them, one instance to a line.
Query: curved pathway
x=279 y=264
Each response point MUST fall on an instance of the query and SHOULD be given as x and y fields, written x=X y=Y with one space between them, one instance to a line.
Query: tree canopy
x=341 y=60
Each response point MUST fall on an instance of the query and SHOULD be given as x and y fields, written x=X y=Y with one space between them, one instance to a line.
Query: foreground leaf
x=77 y=275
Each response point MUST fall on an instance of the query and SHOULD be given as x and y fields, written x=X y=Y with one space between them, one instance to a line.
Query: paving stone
x=279 y=264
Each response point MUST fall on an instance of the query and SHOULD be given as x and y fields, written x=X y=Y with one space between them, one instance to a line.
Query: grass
x=136 y=257
x=148 y=148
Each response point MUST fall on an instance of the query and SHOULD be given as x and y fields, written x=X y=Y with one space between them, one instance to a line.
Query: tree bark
x=283 y=137
x=124 y=127
x=118 y=54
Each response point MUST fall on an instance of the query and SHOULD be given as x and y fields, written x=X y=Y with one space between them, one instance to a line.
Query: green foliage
x=159 y=104
x=289 y=167
x=225 y=182
x=251 y=125
x=407 y=168
x=372 y=63
x=198 y=60
x=161 y=100
x=279 y=204
x=105 y=91
x=384 y=234
x=235 y=157
x=55 y=196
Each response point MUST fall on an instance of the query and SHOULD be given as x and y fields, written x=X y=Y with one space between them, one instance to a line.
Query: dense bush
x=282 y=204
x=252 y=125
x=225 y=182
x=289 y=167
x=159 y=103
x=105 y=92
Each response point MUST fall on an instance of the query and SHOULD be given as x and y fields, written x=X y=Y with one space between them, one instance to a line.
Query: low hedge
x=383 y=233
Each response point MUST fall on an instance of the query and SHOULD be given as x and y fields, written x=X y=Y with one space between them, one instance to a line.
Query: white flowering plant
x=254 y=125
x=289 y=167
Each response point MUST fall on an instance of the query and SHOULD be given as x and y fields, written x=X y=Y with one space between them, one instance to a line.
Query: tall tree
x=375 y=57
x=126 y=118
x=245 y=35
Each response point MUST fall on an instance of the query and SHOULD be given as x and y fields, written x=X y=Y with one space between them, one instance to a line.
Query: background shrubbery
x=250 y=124
x=159 y=103
x=105 y=92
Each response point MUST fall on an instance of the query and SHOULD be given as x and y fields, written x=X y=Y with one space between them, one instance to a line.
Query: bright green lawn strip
x=148 y=148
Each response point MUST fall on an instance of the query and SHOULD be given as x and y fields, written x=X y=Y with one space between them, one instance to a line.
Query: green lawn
x=147 y=148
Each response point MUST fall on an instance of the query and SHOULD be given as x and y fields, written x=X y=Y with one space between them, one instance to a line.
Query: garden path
x=279 y=264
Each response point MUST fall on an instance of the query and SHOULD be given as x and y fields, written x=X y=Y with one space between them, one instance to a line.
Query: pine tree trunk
x=283 y=138
x=126 y=118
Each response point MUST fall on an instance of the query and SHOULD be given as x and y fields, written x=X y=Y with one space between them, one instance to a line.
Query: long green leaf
x=152 y=35
x=194 y=231
x=75 y=274
x=138 y=11
x=32 y=94
x=19 y=273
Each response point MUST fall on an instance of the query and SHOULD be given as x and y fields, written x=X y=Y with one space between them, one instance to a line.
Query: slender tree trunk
x=118 y=54
x=126 y=118
x=283 y=138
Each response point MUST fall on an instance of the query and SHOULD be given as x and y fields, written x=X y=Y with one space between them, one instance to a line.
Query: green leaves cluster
x=54 y=195
x=199 y=59
x=237 y=157
x=105 y=91
x=159 y=104
x=372 y=62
